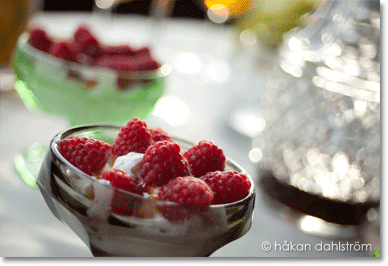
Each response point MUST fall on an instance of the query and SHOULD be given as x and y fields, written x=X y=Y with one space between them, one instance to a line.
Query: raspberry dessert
x=84 y=48
x=146 y=203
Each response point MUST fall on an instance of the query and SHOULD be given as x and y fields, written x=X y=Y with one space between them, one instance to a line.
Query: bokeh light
x=104 y=4
x=172 y=109
x=234 y=8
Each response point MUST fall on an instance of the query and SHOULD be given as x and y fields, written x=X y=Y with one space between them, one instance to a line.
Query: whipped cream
x=128 y=162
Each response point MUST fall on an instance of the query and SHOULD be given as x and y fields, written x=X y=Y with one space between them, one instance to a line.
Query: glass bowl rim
x=68 y=132
x=24 y=45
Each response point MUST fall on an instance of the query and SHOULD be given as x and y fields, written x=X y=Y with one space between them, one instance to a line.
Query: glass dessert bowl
x=114 y=222
x=80 y=93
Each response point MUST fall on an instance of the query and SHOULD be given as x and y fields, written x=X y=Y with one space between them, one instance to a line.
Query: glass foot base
x=28 y=162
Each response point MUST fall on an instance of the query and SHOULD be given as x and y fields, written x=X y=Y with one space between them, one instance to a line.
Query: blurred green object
x=270 y=19
x=83 y=94
x=376 y=254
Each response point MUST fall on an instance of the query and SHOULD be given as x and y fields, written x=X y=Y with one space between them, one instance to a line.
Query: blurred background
x=181 y=9
x=289 y=89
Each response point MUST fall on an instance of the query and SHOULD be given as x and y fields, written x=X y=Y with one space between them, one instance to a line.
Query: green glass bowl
x=83 y=94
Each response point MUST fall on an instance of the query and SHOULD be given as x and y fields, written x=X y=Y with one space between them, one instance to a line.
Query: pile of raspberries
x=196 y=177
x=84 y=48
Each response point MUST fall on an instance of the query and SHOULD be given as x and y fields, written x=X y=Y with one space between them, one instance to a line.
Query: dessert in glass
x=83 y=81
x=148 y=195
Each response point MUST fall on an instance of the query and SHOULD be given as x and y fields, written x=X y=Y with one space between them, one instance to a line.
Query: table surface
x=208 y=76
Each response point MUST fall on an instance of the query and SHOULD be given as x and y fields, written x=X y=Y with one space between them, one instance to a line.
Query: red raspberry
x=88 y=155
x=73 y=46
x=40 y=40
x=144 y=61
x=117 y=62
x=227 y=186
x=143 y=51
x=205 y=157
x=133 y=137
x=120 y=179
x=87 y=43
x=121 y=202
x=127 y=63
x=79 y=56
x=158 y=134
x=116 y=50
x=186 y=190
x=62 y=50
x=150 y=65
x=163 y=162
